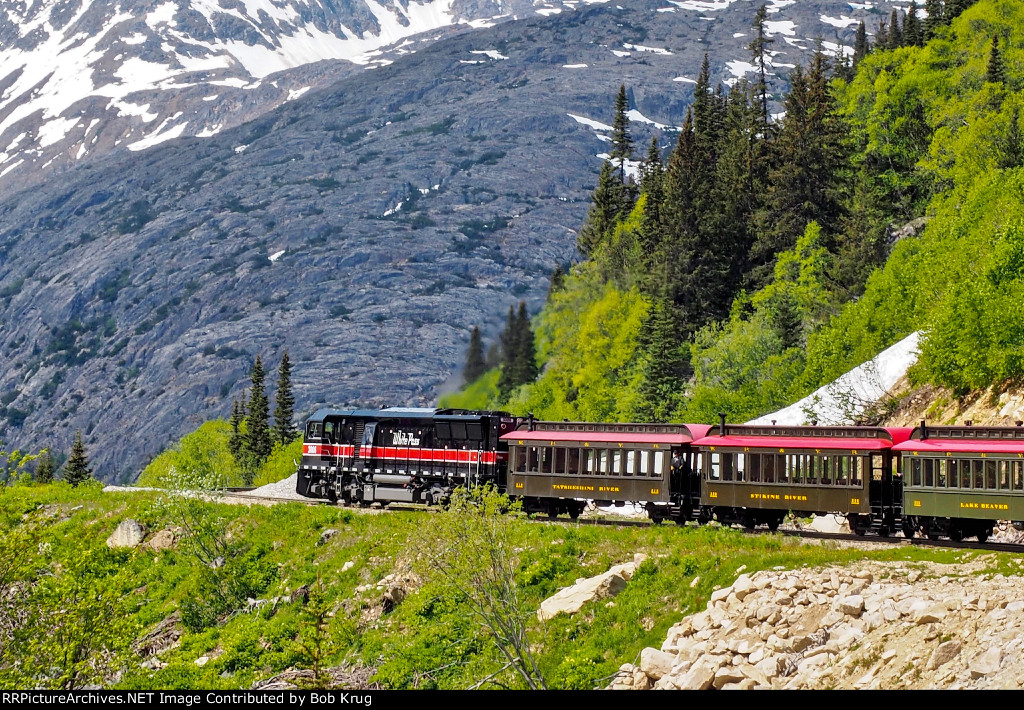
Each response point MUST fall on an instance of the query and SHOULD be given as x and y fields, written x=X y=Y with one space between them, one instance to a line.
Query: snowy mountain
x=366 y=226
x=80 y=78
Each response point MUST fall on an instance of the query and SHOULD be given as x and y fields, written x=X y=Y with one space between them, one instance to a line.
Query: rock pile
x=879 y=626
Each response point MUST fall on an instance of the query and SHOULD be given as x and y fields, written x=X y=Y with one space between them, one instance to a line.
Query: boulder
x=571 y=599
x=128 y=534
x=162 y=540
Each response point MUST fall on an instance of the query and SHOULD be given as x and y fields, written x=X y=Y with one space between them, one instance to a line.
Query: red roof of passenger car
x=794 y=442
x=977 y=446
x=687 y=434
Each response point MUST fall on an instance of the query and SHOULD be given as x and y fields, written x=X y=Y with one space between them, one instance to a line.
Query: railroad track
x=245 y=493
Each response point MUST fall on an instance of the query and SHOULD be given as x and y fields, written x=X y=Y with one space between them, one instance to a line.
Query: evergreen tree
x=995 y=73
x=525 y=364
x=1011 y=147
x=284 y=409
x=76 y=469
x=759 y=52
x=258 y=444
x=935 y=18
x=509 y=340
x=882 y=36
x=622 y=140
x=556 y=283
x=810 y=180
x=474 y=357
x=895 y=31
x=666 y=364
x=913 y=34
x=44 y=468
x=785 y=319
x=603 y=214
x=236 y=441
x=860 y=44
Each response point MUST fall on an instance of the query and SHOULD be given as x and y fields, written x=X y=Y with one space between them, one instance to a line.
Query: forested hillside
x=766 y=257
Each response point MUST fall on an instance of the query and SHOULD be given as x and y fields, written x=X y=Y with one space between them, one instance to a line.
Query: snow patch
x=162 y=14
x=296 y=93
x=241 y=148
x=634 y=115
x=641 y=48
x=702 y=5
x=276 y=255
x=783 y=27
x=160 y=135
x=685 y=79
x=596 y=125
x=492 y=53
x=574 y=66
x=842 y=400
x=620 y=53
x=841 y=22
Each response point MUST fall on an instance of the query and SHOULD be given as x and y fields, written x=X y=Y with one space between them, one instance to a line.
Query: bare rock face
x=883 y=626
x=603 y=586
x=128 y=534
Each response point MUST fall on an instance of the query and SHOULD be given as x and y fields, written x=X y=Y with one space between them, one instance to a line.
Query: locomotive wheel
x=908 y=530
x=983 y=536
x=956 y=534
x=856 y=527
x=883 y=530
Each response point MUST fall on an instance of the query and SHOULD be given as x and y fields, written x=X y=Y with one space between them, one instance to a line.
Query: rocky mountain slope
x=365 y=227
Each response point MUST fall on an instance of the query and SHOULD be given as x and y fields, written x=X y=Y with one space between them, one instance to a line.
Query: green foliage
x=204 y=454
x=284 y=409
x=482 y=393
x=282 y=463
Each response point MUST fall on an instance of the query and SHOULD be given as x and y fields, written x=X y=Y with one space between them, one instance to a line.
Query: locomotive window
x=474 y=432
x=572 y=466
x=990 y=474
x=329 y=430
x=459 y=430
x=559 y=461
x=313 y=430
x=444 y=430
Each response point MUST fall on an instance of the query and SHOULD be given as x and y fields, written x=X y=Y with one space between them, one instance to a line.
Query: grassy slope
x=429 y=640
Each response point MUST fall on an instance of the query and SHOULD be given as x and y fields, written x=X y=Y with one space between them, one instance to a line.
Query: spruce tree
x=556 y=283
x=995 y=73
x=236 y=442
x=525 y=364
x=76 y=469
x=284 y=409
x=509 y=349
x=935 y=18
x=44 y=468
x=622 y=140
x=603 y=214
x=913 y=34
x=1011 y=147
x=258 y=444
x=860 y=44
x=811 y=177
x=474 y=357
x=882 y=36
x=895 y=31
x=759 y=51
